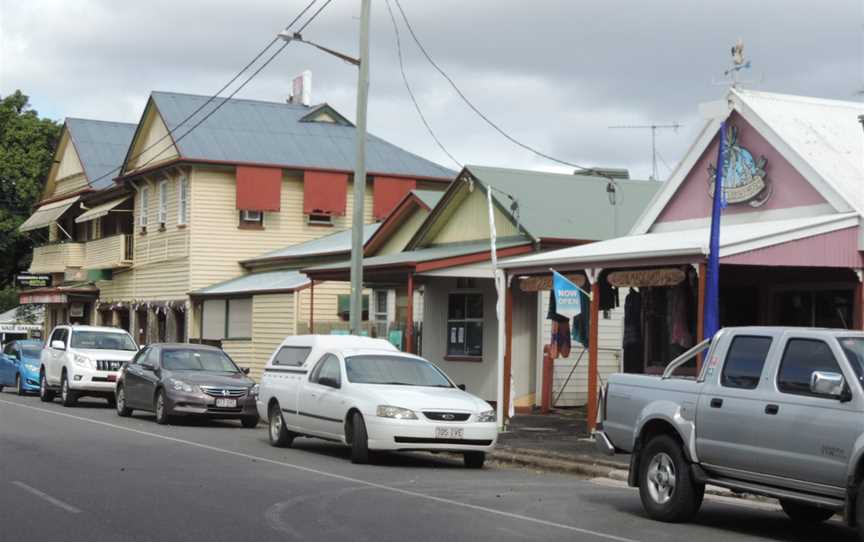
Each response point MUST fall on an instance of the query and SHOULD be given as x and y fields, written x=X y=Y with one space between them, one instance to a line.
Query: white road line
x=41 y=494
x=502 y=513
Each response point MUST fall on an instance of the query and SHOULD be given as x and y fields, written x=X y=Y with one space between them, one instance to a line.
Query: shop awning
x=47 y=214
x=100 y=210
x=255 y=284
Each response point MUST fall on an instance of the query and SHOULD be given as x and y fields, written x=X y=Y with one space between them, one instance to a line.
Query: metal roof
x=101 y=147
x=256 y=283
x=12 y=316
x=429 y=197
x=435 y=252
x=251 y=131
x=565 y=206
x=99 y=211
x=47 y=214
x=335 y=243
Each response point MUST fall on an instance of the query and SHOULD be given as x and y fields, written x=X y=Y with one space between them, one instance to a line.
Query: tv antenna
x=653 y=127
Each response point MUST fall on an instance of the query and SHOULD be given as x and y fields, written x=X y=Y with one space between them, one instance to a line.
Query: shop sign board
x=75 y=275
x=30 y=280
x=744 y=177
x=41 y=299
x=18 y=328
x=568 y=297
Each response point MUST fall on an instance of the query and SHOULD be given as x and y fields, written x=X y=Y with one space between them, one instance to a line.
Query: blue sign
x=568 y=298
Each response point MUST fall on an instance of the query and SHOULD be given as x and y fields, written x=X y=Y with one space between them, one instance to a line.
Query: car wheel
x=160 y=407
x=279 y=434
x=68 y=398
x=250 y=422
x=45 y=395
x=474 y=460
x=19 y=385
x=120 y=403
x=805 y=513
x=666 y=485
x=359 y=440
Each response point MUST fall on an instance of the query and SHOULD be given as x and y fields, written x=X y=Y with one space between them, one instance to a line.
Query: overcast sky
x=554 y=73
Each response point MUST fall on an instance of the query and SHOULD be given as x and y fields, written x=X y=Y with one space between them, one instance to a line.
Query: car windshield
x=102 y=340
x=394 y=370
x=31 y=350
x=190 y=359
x=853 y=347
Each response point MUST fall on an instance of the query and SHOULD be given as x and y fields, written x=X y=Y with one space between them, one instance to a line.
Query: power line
x=480 y=113
x=216 y=95
x=312 y=18
x=411 y=92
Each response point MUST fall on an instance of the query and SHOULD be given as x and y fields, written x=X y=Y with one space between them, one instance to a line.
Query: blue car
x=19 y=365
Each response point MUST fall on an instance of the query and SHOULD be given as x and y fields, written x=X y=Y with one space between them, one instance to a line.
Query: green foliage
x=27 y=145
x=8 y=298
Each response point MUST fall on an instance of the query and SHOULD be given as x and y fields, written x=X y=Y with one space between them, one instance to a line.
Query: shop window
x=801 y=358
x=162 y=210
x=381 y=313
x=465 y=325
x=744 y=362
x=182 y=201
x=251 y=220
x=343 y=307
x=213 y=323
x=239 y=319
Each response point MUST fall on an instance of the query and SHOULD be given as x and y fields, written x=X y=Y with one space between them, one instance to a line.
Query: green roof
x=271 y=281
x=564 y=206
x=429 y=197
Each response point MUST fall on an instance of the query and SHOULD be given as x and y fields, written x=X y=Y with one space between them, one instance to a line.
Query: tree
x=27 y=144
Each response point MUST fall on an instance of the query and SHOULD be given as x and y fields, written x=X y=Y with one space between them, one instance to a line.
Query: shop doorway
x=180 y=322
x=141 y=332
x=124 y=319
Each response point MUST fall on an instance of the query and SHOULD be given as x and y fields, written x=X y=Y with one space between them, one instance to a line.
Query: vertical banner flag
x=568 y=297
x=712 y=277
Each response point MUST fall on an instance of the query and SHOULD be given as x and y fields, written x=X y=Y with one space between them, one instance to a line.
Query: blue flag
x=568 y=298
x=712 y=277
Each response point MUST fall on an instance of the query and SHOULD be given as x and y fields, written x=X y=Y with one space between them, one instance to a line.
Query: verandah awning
x=100 y=210
x=47 y=214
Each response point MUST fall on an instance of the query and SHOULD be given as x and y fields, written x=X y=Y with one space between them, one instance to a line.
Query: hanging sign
x=744 y=177
x=29 y=280
x=539 y=284
x=645 y=278
x=568 y=298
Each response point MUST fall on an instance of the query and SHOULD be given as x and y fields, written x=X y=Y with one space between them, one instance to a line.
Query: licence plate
x=449 y=432
x=226 y=403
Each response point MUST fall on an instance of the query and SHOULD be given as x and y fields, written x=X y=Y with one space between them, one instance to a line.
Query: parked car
x=774 y=411
x=186 y=380
x=19 y=365
x=83 y=361
x=366 y=394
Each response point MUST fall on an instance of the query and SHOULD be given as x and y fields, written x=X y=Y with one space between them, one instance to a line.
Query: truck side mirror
x=58 y=345
x=828 y=384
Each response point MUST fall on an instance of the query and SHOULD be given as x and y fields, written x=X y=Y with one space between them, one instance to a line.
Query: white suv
x=83 y=360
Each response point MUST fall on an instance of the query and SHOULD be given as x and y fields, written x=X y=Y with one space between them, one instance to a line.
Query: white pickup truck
x=774 y=411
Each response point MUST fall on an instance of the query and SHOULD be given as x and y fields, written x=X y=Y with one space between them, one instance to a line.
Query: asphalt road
x=85 y=474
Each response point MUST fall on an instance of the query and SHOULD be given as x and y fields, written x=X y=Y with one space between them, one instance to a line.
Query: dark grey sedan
x=186 y=380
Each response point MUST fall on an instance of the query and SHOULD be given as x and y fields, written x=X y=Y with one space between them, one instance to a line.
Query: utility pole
x=653 y=128
x=356 y=312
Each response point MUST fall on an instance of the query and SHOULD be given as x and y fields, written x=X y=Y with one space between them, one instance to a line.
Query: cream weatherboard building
x=253 y=178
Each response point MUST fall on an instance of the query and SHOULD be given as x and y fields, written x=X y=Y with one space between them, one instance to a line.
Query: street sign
x=29 y=280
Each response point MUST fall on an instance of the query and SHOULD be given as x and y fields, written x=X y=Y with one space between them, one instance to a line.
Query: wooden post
x=548 y=375
x=508 y=347
x=700 y=312
x=409 y=316
x=593 y=338
x=312 y=308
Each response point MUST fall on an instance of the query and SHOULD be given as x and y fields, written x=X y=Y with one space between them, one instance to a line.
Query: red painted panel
x=834 y=249
x=259 y=188
x=387 y=192
x=324 y=193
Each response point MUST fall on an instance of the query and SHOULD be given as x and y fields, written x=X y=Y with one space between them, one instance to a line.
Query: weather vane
x=738 y=62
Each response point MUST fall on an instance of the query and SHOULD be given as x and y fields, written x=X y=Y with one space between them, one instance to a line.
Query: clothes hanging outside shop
x=633 y=353
x=582 y=322
x=578 y=307
x=560 y=340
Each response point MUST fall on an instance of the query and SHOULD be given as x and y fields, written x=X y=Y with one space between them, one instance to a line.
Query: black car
x=186 y=380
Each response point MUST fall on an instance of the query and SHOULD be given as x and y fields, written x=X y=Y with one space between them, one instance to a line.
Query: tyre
x=160 y=407
x=666 y=484
x=1 y=388
x=474 y=460
x=249 y=422
x=45 y=395
x=120 y=403
x=805 y=513
x=19 y=385
x=359 y=440
x=279 y=435
x=68 y=398
x=859 y=511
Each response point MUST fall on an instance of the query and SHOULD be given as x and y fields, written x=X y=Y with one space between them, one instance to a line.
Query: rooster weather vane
x=738 y=62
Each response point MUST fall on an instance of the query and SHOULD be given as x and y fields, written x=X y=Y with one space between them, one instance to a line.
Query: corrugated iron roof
x=429 y=197
x=256 y=282
x=335 y=243
x=565 y=206
x=251 y=131
x=101 y=147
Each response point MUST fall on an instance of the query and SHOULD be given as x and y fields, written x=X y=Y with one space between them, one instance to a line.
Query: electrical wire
x=312 y=18
x=411 y=92
x=216 y=95
x=477 y=110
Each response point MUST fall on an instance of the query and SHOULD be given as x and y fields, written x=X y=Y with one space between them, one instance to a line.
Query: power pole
x=356 y=312
x=653 y=128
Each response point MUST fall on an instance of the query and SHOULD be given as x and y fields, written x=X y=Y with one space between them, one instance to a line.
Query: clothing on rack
x=581 y=323
x=633 y=353
x=608 y=294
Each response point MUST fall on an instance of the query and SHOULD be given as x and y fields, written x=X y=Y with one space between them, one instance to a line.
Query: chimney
x=301 y=89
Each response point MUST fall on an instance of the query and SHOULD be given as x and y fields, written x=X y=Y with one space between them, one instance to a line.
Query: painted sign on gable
x=744 y=177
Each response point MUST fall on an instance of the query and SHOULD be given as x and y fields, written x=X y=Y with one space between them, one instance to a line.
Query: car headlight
x=253 y=391
x=83 y=361
x=387 y=411
x=486 y=416
x=179 y=385
x=31 y=367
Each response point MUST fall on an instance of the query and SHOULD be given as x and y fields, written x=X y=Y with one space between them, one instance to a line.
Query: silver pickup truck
x=774 y=411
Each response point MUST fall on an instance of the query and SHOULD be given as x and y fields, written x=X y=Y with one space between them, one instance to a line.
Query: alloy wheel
x=661 y=478
x=275 y=425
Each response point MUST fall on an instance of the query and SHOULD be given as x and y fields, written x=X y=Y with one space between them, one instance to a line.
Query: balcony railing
x=55 y=258
x=109 y=252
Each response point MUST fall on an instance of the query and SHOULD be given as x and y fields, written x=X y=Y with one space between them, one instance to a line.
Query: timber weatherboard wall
x=152 y=130
x=67 y=175
x=466 y=218
x=400 y=238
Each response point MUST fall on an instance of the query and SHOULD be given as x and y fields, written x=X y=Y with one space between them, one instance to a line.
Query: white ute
x=83 y=360
x=366 y=394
